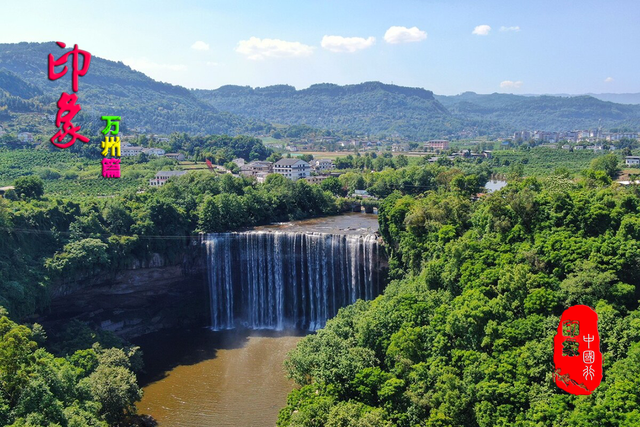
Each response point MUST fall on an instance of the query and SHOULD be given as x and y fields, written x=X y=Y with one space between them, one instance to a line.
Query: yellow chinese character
x=111 y=143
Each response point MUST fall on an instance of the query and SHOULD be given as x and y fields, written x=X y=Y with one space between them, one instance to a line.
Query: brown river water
x=205 y=378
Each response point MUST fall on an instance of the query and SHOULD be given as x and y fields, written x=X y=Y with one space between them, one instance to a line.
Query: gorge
x=268 y=287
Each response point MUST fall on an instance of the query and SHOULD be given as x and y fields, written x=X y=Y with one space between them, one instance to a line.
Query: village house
x=175 y=156
x=632 y=160
x=255 y=167
x=160 y=138
x=399 y=147
x=292 y=169
x=158 y=152
x=162 y=177
x=239 y=162
x=317 y=179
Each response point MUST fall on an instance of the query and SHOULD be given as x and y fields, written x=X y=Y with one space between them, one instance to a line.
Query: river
x=203 y=378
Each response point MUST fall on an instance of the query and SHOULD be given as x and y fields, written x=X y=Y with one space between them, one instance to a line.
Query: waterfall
x=273 y=280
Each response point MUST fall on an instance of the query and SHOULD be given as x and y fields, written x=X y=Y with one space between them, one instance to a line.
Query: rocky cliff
x=152 y=294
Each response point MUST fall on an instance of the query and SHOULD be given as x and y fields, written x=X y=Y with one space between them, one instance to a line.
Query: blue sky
x=560 y=46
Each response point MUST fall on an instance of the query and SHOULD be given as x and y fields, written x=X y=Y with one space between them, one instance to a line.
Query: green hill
x=367 y=108
x=112 y=88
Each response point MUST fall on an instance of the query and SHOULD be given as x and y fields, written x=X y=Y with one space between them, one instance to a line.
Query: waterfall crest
x=273 y=280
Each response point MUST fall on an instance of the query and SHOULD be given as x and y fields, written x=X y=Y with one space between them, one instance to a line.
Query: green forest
x=463 y=334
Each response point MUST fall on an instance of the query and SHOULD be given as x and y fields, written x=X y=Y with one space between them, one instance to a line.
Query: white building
x=130 y=150
x=292 y=169
x=322 y=164
x=632 y=160
x=153 y=151
x=162 y=177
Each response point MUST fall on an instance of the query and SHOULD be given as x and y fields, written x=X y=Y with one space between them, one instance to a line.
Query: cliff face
x=149 y=296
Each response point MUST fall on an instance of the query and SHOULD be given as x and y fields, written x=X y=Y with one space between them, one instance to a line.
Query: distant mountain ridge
x=553 y=113
x=371 y=108
x=619 y=98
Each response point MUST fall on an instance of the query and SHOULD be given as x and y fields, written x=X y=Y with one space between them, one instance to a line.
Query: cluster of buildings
x=329 y=143
x=466 y=154
x=594 y=148
x=129 y=150
x=573 y=136
x=291 y=168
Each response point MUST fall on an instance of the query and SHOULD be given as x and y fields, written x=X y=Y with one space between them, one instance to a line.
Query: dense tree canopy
x=94 y=387
x=463 y=335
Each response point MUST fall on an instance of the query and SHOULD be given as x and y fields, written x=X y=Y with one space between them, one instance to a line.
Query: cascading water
x=273 y=280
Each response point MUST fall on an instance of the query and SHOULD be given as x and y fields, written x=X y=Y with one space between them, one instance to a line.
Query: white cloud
x=200 y=45
x=212 y=64
x=481 y=30
x=395 y=35
x=258 y=49
x=508 y=84
x=515 y=29
x=608 y=80
x=144 y=65
x=346 y=44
